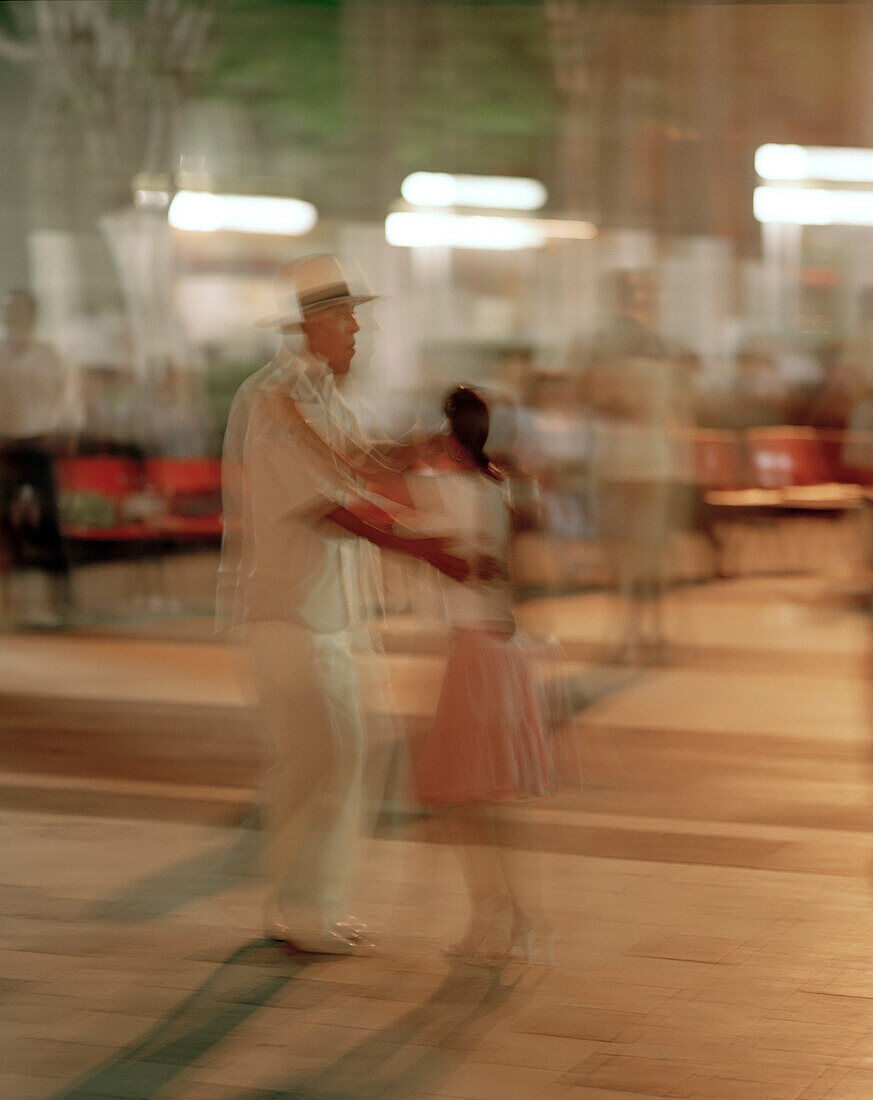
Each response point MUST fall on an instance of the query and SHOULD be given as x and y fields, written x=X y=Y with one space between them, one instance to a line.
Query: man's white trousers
x=308 y=696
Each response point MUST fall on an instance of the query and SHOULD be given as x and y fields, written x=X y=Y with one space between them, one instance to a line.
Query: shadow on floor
x=224 y=1001
x=206 y=874
x=409 y=1056
x=567 y=696
x=433 y=1034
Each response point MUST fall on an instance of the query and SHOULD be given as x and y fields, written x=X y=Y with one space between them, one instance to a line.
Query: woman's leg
x=471 y=832
x=531 y=930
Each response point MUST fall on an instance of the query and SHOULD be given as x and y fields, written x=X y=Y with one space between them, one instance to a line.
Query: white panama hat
x=312 y=283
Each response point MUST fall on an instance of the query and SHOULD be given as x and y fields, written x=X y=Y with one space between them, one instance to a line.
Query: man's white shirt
x=282 y=475
x=38 y=392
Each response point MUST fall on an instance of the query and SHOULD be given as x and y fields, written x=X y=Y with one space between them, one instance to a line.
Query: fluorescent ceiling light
x=207 y=213
x=147 y=199
x=813 y=206
x=814 y=162
x=567 y=229
x=415 y=229
x=493 y=192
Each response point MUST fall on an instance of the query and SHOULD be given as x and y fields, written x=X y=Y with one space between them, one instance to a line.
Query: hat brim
x=295 y=323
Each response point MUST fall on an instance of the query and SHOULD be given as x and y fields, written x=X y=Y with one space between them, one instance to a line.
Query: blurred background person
x=114 y=404
x=759 y=395
x=640 y=398
x=632 y=332
x=178 y=420
x=40 y=414
x=841 y=390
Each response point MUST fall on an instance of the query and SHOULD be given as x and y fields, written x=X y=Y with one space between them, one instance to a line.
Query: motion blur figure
x=487 y=746
x=177 y=420
x=290 y=586
x=40 y=411
x=640 y=400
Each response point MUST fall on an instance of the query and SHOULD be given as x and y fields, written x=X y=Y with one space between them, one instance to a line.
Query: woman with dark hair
x=487 y=746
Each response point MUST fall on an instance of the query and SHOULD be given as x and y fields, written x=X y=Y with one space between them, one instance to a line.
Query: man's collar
x=309 y=375
x=317 y=369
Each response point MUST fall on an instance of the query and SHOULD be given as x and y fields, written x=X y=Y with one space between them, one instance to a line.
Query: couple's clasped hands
x=437 y=553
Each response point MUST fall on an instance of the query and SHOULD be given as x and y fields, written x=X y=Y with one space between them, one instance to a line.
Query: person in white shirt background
x=40 y=414
x=290 y=587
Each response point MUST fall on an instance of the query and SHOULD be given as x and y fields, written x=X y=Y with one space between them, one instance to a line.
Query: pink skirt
x=488 y=742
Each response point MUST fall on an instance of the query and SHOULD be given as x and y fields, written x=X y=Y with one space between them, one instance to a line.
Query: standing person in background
x=291 y=586
x=177 y=419
x=40 y=413
x=487 y=746
x=632 y=333
x=640 y=399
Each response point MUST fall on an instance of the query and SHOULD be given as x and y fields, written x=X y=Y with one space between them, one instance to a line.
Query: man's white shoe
x=333 y=941
x=330 y=943
x=352 y=928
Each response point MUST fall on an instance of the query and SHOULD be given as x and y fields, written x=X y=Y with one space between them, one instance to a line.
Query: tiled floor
x=709 y=887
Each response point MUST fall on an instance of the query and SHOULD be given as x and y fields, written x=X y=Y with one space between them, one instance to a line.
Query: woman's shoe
x=528 y=939
x=479 y=955
x=487 y=943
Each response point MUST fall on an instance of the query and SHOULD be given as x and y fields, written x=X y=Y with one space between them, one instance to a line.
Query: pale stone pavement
x=709 y=885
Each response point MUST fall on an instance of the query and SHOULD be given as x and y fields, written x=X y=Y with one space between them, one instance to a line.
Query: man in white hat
x=288 y=585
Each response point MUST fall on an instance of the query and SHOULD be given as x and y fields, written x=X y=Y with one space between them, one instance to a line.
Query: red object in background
x=782 y=457
x=719 y=461
x=849 y=455
x=114 y=477
x=183 y=476
x=191 y=488
x=108 y=475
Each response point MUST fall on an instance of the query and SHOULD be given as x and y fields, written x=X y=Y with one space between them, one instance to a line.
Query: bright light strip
x=567 y=230
x=151 y=200
x=492 y=192
x=414 y=229
x=813 y=206
x=814 y=162
x=203 y=212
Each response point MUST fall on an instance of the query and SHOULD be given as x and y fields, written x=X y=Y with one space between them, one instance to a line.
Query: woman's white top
x=472 y=510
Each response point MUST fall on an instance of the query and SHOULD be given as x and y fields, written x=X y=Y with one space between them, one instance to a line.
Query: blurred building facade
x=641 y=121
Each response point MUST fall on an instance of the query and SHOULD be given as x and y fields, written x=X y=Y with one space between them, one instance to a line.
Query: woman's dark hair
x=469 y=421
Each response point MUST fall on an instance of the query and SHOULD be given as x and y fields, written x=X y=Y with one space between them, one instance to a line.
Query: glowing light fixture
x=813 y=206
x=416 y=229
x=149 y=199
x=492 y=192
x=814 y=162
x=203 y=212
x=568 y=229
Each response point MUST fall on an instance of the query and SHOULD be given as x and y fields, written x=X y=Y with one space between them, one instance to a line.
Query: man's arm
x=398 y=457
x=427 y=549
x=377 y=460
